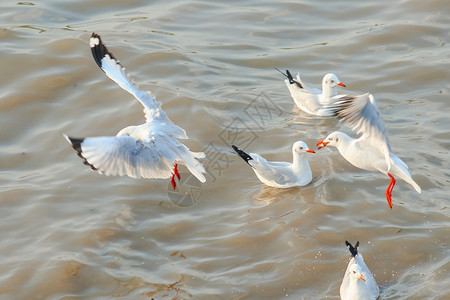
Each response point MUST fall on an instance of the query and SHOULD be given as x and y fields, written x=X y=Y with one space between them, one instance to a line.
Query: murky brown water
x=69 y=233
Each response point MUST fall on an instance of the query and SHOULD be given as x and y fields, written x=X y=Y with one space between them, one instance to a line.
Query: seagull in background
x=311 y=100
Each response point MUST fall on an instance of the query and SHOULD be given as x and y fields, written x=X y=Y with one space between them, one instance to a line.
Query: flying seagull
x=150 y=150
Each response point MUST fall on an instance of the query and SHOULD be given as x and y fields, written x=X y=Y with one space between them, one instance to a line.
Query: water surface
x=70 y=233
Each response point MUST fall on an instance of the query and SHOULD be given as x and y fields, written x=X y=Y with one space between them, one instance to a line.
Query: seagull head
x=356 y=272
x=300 y=147
x=331 y=140
x=330 y=80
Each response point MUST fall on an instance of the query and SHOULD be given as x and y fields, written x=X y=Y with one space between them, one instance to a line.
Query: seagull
x=358 y=282
x=150 y=150
x=281 y=174
x=371 y=151
x=311 y=100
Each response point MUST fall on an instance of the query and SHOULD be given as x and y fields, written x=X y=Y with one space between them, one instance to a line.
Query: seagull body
x=311 y=100
x=358 y=282
x=371 y=151
x=281 y=174
x=150 y=150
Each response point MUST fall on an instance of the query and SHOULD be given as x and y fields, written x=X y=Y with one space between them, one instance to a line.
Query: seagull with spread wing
x=150 y=150
x=371 y=151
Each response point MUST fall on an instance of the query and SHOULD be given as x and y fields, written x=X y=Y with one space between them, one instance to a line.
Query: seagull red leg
x=172 y=181
x=389 y=190
x=175 y=173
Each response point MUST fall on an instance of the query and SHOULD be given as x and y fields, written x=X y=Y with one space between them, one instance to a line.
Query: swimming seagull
x=311 y=100
x=371 y=151
x=150 y=150
x=281 y=174
x=358 y=282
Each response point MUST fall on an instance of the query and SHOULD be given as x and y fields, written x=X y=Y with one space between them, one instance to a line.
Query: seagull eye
x=354 y=272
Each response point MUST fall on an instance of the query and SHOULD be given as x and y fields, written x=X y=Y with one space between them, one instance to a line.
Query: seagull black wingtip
x=98 y=49
x=353 y=250
x=289 y=76
x=280 y=72
x=291 y=79
x=76 y=145
x=242 y=154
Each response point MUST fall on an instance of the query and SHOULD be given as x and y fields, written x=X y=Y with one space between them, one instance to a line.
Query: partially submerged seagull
x=311 y=100
x=371 y=151
x=150 y=150
x=281 y=174
x=358 y=282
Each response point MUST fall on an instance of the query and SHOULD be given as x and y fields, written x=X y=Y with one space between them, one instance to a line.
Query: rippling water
x=70 y=233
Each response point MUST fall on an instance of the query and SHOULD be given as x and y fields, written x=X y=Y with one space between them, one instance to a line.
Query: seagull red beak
x=321 y=144
x=341 y=84
x=362 y=277
x=310 y=151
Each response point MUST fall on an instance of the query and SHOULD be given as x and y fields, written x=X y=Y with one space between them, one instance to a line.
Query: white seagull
x=150 y=150
x=281 y=174
x=311 y=100
x=371 y=151
x=358 y=282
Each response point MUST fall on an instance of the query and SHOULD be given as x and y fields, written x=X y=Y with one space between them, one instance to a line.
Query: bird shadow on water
x=270 y=195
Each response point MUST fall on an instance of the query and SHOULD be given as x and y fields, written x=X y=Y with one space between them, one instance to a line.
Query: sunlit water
x=70 y=233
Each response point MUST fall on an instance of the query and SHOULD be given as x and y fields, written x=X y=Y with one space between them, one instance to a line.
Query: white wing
x=112 y=68
x=361 y=114
x=370 y=280
x=308 y=101
x=127 y=156
x=312 y=90
x=279 y=172
x=344 y=288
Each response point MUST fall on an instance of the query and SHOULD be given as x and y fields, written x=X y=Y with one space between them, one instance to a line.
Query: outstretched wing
x=128 y=156
x=361 y=114
x=124 y=156
x=114 y=70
